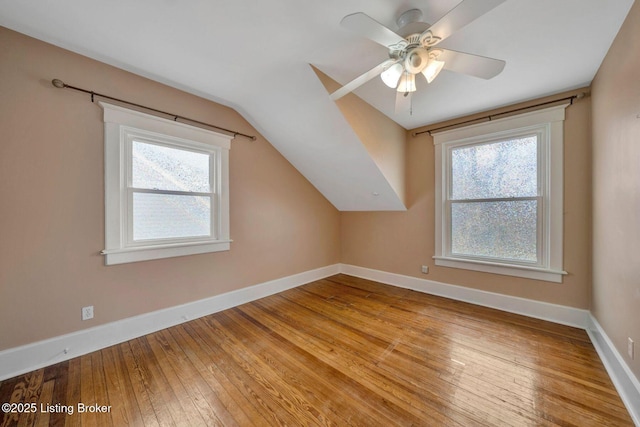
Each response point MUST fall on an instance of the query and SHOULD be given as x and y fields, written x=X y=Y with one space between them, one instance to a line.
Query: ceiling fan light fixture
x=407 y=83
x=432 y=70
x=391 y=76
x=416 y=60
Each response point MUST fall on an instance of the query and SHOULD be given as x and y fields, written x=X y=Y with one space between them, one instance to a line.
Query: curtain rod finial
x=58 y=83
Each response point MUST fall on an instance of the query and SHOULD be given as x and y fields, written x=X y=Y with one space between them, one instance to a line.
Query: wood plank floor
x=337 y=352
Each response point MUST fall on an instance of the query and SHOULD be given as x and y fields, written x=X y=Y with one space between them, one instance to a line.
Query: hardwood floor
x=336 y=352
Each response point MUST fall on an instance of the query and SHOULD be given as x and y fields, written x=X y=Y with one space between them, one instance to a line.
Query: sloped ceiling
x=254 y=56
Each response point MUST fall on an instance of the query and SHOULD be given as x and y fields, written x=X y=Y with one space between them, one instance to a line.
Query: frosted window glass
x=164 y=216
x=504 y=229
x=156 y=167
x=496 y=170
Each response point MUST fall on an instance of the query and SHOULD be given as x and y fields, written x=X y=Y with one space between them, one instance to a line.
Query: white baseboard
x=19 y=360
x=540 y=310
x=624 y=380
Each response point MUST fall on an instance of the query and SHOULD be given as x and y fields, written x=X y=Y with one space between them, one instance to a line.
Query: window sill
x=146 y=253
x=535 y=273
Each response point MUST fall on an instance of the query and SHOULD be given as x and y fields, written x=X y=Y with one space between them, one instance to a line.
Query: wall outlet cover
x=87 y=312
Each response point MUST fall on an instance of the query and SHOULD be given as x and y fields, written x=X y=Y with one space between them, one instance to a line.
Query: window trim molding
x=119 y=124
x=552 y=223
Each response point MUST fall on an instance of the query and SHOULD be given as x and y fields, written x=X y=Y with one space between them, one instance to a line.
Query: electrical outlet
x=87 y=312
x=425 y=269
x=630 y=348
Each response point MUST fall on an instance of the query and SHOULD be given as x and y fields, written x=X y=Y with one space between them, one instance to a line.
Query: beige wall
x=616 y=190
x=400 y=242
x=52 y=209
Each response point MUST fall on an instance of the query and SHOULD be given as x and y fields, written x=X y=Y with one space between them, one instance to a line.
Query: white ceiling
x=254 y=56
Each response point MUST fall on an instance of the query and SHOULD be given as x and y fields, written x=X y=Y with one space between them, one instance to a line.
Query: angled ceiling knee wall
x=383 y=139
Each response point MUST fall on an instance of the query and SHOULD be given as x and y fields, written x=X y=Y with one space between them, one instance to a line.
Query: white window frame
x=121 y=127
x=547 y=124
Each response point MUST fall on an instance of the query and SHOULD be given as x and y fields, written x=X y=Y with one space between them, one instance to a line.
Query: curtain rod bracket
x=62 y=85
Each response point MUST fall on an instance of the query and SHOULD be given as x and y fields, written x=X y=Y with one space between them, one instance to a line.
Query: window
x=166 y=188
x=499 y=196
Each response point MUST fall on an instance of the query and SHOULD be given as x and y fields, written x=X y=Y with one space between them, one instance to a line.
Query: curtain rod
x=62 y=85
x=490 y=117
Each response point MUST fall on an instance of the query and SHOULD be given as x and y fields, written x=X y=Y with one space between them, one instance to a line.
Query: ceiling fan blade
x=366 y=26
x=403 y=103
x=464 y=13
x=473 y=65
x=362 y=79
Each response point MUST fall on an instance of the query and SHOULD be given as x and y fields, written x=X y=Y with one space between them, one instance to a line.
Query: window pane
x=163 y=216
x=500 y=169
x=495 y=229
x=163 y=168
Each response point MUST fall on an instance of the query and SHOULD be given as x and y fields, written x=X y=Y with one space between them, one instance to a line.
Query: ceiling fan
x=413 y=51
